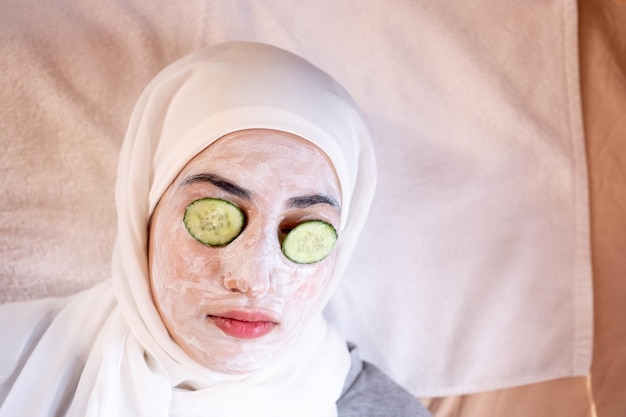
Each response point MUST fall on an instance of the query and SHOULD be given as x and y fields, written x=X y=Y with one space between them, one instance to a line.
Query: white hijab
x=132 y=366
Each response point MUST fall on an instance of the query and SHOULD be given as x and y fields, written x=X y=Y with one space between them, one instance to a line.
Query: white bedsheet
x=474 y=273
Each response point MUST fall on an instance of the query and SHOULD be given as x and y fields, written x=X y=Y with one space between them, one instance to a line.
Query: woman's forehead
x=251 y=141
x=272 y=156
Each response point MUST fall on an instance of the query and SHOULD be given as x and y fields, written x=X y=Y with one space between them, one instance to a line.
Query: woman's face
x=234 y=308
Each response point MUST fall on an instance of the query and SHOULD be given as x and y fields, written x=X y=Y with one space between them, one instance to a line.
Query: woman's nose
x=251 y=261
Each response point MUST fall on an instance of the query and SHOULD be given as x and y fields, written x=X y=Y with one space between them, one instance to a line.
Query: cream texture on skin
x=194 y=285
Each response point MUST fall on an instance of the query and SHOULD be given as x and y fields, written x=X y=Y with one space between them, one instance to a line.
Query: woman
x=244 y=179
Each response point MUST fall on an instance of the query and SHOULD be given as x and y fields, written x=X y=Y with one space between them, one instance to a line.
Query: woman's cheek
x=307 y=287
x=182 y=272
x=187 y=259
x=309 y=284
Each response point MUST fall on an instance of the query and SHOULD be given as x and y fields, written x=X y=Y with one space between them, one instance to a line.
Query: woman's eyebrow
x=311 y=200
x=219 y=182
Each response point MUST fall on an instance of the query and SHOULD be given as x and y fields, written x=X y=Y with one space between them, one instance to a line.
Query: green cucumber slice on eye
x=309 y=242
x=213 y=222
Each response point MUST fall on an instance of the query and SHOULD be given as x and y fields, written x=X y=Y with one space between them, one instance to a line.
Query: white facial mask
x=237 y=307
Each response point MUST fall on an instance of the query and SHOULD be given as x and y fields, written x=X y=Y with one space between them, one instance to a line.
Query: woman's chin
x=243 y=364
x=238 y=356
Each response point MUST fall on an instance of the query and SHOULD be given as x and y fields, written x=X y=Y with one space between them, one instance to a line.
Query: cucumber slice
x=213 y=222
x=309 y=242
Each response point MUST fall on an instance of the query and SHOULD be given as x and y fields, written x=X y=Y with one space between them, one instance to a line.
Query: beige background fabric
x=448 y=90
x=567 y=397
x=603 y=76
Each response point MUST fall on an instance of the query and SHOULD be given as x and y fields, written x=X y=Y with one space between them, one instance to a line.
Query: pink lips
x=243 y=325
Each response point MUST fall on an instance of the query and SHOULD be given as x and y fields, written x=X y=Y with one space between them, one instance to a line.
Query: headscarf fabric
x=132 y=366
